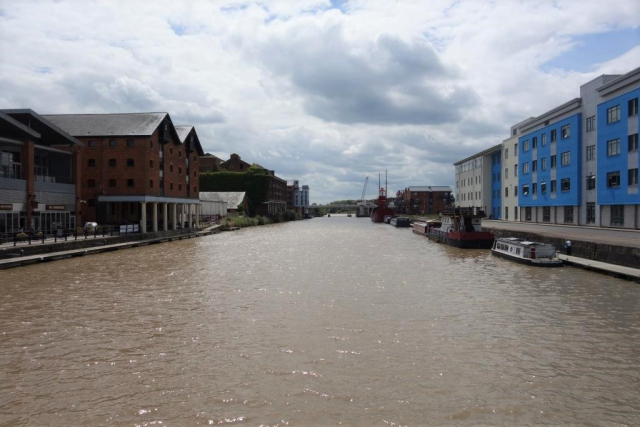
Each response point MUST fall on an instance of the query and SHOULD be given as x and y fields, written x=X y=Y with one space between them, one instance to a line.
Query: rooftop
x=122 y=124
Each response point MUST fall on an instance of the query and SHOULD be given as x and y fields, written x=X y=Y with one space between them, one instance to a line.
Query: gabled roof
x=233 y=199
x=10 y=127
x=121 y=124
x=183 y=132
x=50 y=133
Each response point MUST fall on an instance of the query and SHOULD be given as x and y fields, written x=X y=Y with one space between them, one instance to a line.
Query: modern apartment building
x=510 y=174
x=301 y=197
x=478 y=181
x=39 y=174
x=136 y=169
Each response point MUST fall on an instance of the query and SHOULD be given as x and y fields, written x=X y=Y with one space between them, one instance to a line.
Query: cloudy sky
x=322 y=91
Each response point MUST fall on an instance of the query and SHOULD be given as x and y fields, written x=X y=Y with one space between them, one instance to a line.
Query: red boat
x=461 y=228
x=382 y=210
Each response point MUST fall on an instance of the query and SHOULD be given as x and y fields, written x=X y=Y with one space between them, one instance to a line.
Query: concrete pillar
x=143 y=217
x=165 y=220
x=154 y=216
x=174 y=219
x=198 y=216
x=190 y=215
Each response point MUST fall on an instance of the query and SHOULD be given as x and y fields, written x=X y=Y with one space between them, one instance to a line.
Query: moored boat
x=422 y=227
x=400 y=222
x=526 y=252
x=462 y=228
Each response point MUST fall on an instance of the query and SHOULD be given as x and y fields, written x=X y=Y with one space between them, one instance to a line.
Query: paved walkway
x=609 y=236
x=602 y=267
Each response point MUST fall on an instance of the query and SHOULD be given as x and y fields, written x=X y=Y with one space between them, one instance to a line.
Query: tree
x=240 y=208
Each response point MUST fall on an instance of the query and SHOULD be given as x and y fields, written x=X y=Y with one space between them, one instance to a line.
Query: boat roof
x=521 y=241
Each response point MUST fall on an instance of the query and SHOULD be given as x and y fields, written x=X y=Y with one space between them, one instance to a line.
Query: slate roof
x=233 y=199
x=49 y=132
x=124 y=124
x=431 y=188
x=183 y=132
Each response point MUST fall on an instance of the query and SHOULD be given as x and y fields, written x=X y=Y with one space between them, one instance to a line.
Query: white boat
x=526 y=252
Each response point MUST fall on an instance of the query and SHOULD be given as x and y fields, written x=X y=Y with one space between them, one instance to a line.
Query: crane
x=364 y=189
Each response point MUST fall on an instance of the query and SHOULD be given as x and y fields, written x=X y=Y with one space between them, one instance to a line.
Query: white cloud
x=322 y=95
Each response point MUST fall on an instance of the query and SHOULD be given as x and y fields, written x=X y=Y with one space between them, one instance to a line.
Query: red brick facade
x=418 y=202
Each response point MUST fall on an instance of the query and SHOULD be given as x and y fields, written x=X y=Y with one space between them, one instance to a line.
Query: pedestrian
x=567 y=247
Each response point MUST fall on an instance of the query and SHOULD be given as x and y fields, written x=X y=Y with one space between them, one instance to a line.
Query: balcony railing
x=60 y=179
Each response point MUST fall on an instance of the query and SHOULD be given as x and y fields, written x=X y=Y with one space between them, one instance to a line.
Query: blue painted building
x=496 y=185
x=549 y=164
x=617 y=153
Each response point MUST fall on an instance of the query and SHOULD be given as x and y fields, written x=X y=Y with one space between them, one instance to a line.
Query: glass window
x=553 y=161
x=591 y=182
x=568 y=214
x=515 y=170
x=543 y=139
x=92 y=143
x=534 y=165
x=525 y=145
x=506 y=173
x=130 y=183
x=566 y=131
x=633 y=176
x=91 y=163
x=515 y=191
x=150 y=183
x=151 y=164
x=613 y=147
x=613 y=114
x=91 y=183
x=506 y=191
x=543 y=163
x=112 y=143
x=534 y=188
x=617 y=214
x=525 y=189
x=546 y=214
x=534 y=142
x=506 y=153
x=591 y=152
x=543 y=187
x=566 y=158
x=515 y=150
x=112 y=163
x=130 y=162
x=527 y=213
x=633 y=107
x=633 y=142
x=112 y=183
x=591 y=123
x=553 y=186
x=129 y=142
x=591 y=213
x=613 y=179
x=565 y=184
x=553 y=135
x=525 y=167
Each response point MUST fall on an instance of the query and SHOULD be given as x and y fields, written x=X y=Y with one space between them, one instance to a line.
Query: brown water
x=321 y=322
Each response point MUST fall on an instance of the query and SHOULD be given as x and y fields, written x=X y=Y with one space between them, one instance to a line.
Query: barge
x=526 y=252
x=462 y=228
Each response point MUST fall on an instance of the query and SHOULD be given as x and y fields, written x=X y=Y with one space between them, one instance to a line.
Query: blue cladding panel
x=619 y=162
x=571 y=171
x=496 y=185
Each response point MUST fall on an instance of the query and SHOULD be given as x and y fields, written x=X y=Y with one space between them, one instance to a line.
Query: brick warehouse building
x=426 y=199
x=136 y=168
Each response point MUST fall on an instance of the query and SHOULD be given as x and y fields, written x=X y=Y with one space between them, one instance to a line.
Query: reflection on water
x=321 y=322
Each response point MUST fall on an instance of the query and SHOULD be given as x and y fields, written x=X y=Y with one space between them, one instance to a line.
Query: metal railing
x=54 y=236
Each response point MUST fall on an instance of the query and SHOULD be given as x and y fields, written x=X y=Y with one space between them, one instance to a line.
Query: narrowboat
x=526 y=252
x=462 y=228
x=422 y=228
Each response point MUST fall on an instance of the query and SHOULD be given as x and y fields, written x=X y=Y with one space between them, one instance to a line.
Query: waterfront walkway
x=610 y=236
x=602 y=267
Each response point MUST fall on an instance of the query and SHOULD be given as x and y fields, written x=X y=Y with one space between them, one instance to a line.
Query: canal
x=321 y=322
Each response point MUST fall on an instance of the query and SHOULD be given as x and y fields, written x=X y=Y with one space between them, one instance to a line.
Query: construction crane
x=364 y=189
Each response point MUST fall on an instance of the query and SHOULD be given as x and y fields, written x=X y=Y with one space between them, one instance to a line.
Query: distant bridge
x=334 y=206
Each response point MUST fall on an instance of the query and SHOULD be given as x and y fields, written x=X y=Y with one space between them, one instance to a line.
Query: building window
x=170 y=150
x=91 y=163
x=506 y=173
x=553 y=161
x=613 y=114
x=170 y=168
x=515 y=191
x=565 y=158
x=112 y=163
x=179 y=187
x=506 y=190
x=546 y=214
x=568 y=214
x=525 y=189
x=591 y=213
x=506 y=153
x=534 y=188
x=617 y=214
x=92 y=143
x=150 y=183
x=553 y=135
x=525 y=167
x=195 y=174
x=179 y=170
x=543 y=139
x=613 y=147
x=506 y=213
x=613 y=179
x=179 y=153
x=591 y=182
x=171 y=186
x=91 y=203
x=515 y=212
x=543 y=187
x=633 y=176
x=112 y=143
x=130 y=183
x=525 y=145
x=591 y=152
x=566 y=131
x=112 y=183
x=565 y=184
x=194 y=190
x=534 y=166
x=553 y=186
x=515 y=149
x=91 y=183
x=515 y=170
x=534 y=142
x=130 y=163
x=150 y=144
x=633 y=142
x=150 y=164
x=129 y=142
x=591 y=123
x=633 y=107
x=527 y=213
x=543 y=163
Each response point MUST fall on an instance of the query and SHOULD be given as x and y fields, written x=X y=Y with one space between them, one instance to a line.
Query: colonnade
x=180 y=213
